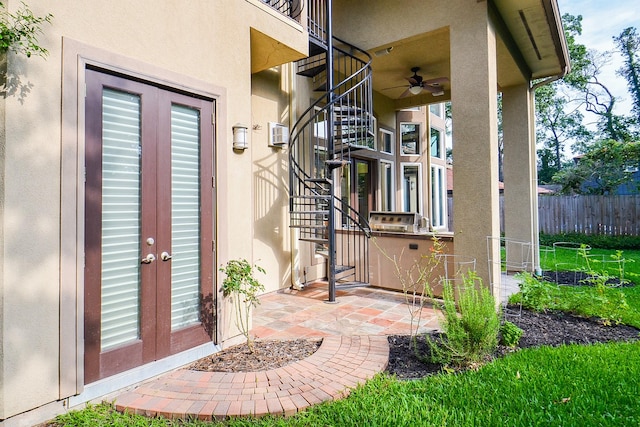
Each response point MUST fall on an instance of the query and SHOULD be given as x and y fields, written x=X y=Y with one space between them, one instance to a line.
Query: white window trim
x=392 y=185
x=420 y=143
x=442 y=201
x=391 y=137
x=403 y=165
x=441 y=142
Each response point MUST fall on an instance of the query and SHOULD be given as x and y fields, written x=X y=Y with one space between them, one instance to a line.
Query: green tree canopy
x=602 y=169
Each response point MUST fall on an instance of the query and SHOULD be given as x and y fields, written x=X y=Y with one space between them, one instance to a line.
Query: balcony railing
x=290 y=8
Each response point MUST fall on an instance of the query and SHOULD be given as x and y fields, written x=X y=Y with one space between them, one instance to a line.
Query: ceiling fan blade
x=434 y=90
x=394 y=87
x=406 y=93
x=437 y=81
x=413 y=81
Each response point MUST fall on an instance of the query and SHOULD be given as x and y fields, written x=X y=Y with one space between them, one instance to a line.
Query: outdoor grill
x=399 y=222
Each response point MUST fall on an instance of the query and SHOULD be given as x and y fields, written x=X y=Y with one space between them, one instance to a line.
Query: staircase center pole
x=331 y=172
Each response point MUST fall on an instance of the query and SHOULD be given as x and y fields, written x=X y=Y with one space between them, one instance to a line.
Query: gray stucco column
x=520 y=177
x=475 y=140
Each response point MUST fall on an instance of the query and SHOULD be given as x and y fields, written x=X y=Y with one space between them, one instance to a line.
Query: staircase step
x=312 y=71
x=336 y=163
x=316 y=46
x=343 y=148
x=308 y=227
x=352 y=284
x=317 y=240
x=343 y=268
x=314 y=197
x=318 y=180
x=310 y=212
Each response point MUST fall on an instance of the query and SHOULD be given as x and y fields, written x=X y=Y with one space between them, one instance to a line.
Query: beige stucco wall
x=206 y=42
x=271 y=236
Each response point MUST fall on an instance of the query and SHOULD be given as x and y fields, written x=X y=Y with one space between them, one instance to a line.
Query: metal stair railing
x=315 y=152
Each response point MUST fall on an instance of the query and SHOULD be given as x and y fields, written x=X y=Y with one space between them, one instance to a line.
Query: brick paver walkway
x=341 y=363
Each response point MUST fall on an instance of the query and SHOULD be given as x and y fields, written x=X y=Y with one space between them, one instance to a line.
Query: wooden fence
x=612 y=215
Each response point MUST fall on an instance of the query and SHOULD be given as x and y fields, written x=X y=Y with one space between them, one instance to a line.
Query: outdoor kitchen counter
x=406 y=249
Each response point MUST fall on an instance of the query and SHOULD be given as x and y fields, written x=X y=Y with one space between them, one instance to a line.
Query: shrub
x=241 y=283
x=510 y=334
x=594 y=240
x=534 y=294
x=470 y=328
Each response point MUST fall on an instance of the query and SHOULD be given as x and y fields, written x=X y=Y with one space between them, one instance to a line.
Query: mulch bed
x=548 y=328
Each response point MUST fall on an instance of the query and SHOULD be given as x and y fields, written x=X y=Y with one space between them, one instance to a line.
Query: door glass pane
x=345 y=195
x=364 y=188
x=120 y=322
x=411 y=193
x=437 y=208
x=386 y=186
x=185 y=216
x=436 y=143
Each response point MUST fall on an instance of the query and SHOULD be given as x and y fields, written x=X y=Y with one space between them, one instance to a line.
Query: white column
x=520 y=175
x=475 y=140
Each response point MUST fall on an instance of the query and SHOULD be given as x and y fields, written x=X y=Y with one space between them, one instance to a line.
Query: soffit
x=530 y=45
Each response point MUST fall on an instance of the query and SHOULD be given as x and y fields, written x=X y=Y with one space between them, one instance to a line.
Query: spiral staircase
x=337 y=124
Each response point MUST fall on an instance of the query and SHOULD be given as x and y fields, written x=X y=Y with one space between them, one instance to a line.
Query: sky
x=601 y=20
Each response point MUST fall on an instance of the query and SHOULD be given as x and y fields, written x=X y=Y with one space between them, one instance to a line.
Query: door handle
x=165 y=256
x=149 y=259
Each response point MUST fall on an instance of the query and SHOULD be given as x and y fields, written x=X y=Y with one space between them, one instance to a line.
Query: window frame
x=441 y=152
x=420 y=201
x=381 y=140
x=390 y=187
x=418 y=141
x=438 y=199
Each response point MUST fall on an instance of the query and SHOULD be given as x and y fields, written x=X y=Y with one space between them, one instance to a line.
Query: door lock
x=149 y=259
x=165 y=256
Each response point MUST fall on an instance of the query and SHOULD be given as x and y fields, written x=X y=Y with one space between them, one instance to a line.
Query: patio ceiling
x=530 y=45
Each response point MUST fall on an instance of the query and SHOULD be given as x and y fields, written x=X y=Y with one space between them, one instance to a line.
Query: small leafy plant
x=19 y=31
x=241 y=283
x=510 y=334
x=470 y=328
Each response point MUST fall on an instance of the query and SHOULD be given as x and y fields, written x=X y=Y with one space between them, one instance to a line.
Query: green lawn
x=595 y=385
x=601 y=260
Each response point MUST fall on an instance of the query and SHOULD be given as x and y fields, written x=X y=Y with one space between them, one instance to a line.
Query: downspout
x=548 y=80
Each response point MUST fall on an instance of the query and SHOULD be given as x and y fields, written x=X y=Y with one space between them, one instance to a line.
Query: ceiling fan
x=417 y=85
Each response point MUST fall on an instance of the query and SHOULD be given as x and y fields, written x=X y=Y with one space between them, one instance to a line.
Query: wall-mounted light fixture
x=240 y=137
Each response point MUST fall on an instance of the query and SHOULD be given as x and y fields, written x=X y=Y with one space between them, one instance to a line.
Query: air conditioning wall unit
x=278 y=135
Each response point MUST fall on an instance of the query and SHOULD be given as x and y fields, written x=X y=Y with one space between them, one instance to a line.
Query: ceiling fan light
x=415 y=89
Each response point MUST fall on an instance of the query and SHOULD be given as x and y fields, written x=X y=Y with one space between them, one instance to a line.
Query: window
x=411 y=187
x=387 y=186
x=410 y=138
x=386 y=141
x=438 y=197
x=436 y=143
x=356 y=188
x=436 y=109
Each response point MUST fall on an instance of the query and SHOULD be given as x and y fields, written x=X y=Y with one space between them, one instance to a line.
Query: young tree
x=628 y=43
